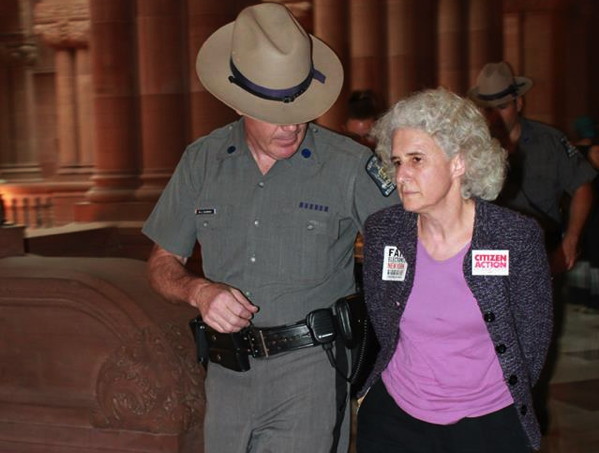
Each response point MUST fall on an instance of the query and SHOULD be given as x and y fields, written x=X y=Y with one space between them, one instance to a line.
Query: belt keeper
x=263 y=344
x=257 y=343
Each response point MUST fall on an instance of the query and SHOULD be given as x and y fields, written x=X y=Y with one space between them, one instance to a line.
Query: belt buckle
x=257 y=343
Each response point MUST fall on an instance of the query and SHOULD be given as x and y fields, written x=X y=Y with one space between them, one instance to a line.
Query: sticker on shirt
x=395 y=265
x=490 y=262
x=375 y=169
x=571 y=150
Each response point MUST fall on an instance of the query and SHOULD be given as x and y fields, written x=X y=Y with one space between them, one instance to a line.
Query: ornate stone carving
x=63 y=23
x=20 y=53
x=152 y=383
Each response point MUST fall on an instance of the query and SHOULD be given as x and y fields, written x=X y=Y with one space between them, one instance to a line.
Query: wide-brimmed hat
x=496 y=85
x=267 y=67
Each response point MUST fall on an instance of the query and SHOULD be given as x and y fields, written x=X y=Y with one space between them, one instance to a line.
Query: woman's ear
x=458 y=166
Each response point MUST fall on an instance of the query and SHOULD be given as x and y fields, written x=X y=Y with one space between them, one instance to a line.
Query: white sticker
x=395 y=265
x=490 y=262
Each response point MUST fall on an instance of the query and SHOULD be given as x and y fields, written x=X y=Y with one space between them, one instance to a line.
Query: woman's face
x=423 y=173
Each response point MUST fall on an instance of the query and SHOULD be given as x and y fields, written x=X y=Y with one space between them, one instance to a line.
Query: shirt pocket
x=218 y=238
x=304 y=247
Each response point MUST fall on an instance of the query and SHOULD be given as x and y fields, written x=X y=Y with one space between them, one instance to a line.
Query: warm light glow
x=6 y=194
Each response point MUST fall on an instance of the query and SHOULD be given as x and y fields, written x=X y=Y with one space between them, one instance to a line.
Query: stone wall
x=92 y=360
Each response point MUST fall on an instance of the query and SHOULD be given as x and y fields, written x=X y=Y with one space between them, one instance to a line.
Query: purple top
x=445 y=366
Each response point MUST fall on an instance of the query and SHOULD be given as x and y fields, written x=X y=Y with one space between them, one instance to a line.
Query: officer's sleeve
x=171 y=224
x=373 y=190
x=573 y=169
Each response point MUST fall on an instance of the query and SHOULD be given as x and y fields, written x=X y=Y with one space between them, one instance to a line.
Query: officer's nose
x=290 y=127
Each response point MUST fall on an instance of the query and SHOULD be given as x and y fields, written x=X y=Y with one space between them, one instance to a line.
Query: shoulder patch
x=374 y=168
x=571 y=150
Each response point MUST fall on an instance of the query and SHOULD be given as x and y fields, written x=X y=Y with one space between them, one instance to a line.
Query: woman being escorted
x=458 y=291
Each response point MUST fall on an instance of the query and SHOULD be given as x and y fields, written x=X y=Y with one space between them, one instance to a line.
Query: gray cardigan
x=517 y=309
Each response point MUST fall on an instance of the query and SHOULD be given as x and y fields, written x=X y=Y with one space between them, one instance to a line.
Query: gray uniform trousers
x=283 y=404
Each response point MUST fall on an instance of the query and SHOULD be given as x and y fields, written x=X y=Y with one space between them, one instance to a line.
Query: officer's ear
x=519 y=103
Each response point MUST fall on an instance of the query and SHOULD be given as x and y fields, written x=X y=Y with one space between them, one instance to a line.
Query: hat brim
x=523 y=85
x=213 y=70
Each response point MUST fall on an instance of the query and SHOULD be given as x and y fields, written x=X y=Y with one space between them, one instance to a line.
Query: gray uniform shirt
x=285 y=239
x=545 y=167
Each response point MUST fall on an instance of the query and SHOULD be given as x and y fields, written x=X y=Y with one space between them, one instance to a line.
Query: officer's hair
x=457 y=126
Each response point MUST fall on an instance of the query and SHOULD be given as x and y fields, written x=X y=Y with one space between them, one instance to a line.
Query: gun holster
x=229 y=350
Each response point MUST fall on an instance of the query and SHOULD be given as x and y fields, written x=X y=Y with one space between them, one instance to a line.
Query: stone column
x=410 y=46
x=555 y=42
x=66 y=110
x=485 y=38
x=113 y=63
x=367 y=68
x=452 y=45
x=19 y=159
x=206 y=112
x=64 y=26
x=160 y=42
x=330 y=25
x=85 y=111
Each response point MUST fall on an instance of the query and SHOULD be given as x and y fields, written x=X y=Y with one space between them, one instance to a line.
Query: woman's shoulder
x=389 y=216
x=499 y=219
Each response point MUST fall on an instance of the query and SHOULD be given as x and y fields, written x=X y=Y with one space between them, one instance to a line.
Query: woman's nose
x=401 y=174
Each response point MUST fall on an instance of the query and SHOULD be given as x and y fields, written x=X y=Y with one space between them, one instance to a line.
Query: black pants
x=384 y=428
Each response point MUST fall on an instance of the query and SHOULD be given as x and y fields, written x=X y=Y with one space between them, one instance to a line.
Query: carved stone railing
x=92 y=360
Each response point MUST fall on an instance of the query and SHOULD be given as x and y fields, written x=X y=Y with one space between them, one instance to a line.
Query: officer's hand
x=564 y=257
x=222 y=307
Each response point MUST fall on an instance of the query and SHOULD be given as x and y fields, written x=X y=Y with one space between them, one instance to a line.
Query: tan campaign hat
x=266 y=66
x=496 y=84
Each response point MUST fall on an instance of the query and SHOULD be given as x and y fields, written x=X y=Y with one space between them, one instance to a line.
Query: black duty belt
x=320 y=327
x=233 y=349
x=264 y=342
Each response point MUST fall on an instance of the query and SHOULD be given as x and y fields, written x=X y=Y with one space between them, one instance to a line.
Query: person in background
x=543 y=165
x=546 y=172
x=457 y=288
x=588 y=139
x=363 y=109
x=275 y=203
x=583 y=280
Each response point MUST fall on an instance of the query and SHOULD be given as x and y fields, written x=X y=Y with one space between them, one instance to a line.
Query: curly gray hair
x=457 y=126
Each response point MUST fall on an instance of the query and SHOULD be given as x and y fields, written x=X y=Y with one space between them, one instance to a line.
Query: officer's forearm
x=580 y=207
x=169 y=277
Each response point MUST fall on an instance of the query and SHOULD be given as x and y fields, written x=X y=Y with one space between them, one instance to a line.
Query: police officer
x=275 y=203
x=544 y=165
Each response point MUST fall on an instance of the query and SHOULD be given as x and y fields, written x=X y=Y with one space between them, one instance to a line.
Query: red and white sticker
x=395 y=265
x=490 y=262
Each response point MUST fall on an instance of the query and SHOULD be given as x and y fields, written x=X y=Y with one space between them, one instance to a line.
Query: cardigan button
x=523 y=409
x=489 y=316
x=513 y=380
x=501 y=348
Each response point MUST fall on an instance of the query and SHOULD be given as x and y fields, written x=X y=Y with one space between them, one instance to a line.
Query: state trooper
x=544 y=165
x=275 y=203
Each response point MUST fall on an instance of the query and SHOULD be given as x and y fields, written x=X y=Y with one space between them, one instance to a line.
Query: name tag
x=205 y=211
x=490 y=262
x=395 y=265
